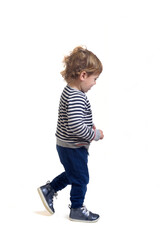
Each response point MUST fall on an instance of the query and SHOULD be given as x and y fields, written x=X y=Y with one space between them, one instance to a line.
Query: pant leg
x=60 y=182
x=75 y=162
x=77 y=195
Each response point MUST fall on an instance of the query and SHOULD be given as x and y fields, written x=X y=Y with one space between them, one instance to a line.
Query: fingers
x=102 y=135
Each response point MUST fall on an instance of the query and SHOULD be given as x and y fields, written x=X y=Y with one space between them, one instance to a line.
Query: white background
x=125 y=167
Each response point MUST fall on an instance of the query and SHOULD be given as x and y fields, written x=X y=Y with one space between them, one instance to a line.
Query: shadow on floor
x=43 y=213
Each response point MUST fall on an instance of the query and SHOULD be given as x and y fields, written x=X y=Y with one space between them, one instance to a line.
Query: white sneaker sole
x=44 y=201
x=84 y=221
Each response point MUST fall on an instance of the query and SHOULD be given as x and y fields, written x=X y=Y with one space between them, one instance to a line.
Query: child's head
x=80 y=60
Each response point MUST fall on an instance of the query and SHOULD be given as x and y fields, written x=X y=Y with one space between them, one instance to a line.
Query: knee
x=85 y=180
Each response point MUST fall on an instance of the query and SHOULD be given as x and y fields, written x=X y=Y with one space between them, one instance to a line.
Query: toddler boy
x=75 y=131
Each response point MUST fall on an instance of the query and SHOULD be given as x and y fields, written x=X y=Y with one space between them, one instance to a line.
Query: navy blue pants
x=75 y=162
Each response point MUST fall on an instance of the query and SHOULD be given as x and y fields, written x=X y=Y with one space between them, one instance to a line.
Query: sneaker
x=46 y=194
x=83 y=215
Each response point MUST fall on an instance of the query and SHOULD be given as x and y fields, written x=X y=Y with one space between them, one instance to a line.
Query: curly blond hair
x=79 y=60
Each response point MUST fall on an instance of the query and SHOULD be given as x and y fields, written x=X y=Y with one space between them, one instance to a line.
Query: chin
x=86 y=90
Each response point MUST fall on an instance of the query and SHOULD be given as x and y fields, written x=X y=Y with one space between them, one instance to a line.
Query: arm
x=76 y=125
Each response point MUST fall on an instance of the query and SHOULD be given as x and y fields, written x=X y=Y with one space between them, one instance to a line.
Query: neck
x=75 y=84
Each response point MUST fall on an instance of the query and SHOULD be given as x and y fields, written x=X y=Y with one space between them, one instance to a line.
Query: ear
x=83 y=76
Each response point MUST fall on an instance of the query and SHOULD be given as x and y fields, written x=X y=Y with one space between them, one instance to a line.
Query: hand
x=94 y=127
x=102 y=135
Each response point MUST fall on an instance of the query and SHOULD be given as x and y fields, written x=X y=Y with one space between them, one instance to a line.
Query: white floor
x=127 y=202
x=127 y=217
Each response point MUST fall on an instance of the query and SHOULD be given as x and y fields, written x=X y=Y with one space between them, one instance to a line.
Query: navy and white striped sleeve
x=78 y=120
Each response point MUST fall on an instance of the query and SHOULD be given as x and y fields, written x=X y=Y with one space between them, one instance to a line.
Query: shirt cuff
x=97 y=135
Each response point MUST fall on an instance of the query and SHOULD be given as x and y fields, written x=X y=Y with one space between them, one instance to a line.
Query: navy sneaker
x=47 y=194
x=83 y=215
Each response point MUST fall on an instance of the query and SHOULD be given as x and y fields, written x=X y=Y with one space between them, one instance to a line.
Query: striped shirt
x=75 y=124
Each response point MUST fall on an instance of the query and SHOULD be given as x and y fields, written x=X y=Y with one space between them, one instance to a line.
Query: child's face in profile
x=89 y=82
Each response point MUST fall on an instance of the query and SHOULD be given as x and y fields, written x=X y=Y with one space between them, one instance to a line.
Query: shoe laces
x=55 y=194
x=85 y=211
